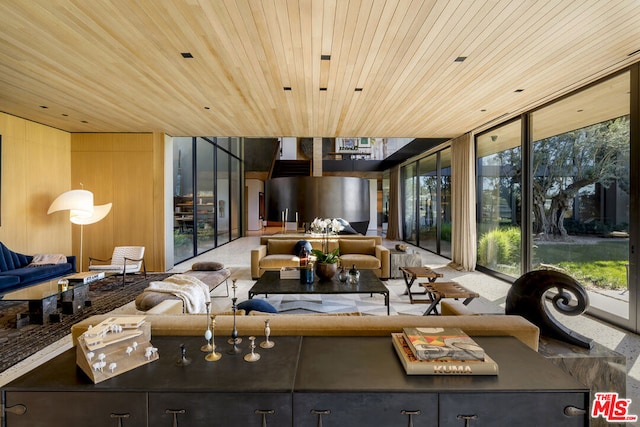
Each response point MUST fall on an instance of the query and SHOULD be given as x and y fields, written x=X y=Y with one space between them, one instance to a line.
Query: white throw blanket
x=47 y=259
x=192 y=291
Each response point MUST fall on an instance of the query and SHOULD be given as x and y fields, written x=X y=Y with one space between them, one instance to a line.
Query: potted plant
x=326 y=263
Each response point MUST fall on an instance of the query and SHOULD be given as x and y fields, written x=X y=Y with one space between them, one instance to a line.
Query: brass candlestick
x=207 y=335
x=213 y=356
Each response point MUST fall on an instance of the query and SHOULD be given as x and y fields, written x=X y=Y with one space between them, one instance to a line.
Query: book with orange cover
x=414 y=366
x=442 y=344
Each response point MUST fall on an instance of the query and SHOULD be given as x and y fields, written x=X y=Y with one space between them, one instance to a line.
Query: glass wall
x=205 y=211
x=183 y=234
x=581 y=189
x=573 y=209
x=431 y=215
x=499 y=199
x=409 y=206
x=207 y=199
x=445 y=203
x=224 y=206
x=428 y=208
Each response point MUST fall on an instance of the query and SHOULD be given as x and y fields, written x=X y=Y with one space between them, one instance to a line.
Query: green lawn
x=602 y=264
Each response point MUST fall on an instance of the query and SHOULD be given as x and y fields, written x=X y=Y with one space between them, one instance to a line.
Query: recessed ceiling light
x=519 y=90
x=358 y=89
x=325 y=57
x=287 y=88
x=186 y=55
x=460 y=59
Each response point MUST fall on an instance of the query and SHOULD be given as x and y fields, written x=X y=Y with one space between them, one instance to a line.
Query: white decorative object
x=115 y=340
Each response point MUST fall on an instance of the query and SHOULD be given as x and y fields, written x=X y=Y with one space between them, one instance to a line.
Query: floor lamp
x=79 y=203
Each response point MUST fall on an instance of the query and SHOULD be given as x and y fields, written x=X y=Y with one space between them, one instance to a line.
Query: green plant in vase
x=326 y=263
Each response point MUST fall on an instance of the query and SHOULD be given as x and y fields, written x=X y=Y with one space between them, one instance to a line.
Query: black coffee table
x=270 y=283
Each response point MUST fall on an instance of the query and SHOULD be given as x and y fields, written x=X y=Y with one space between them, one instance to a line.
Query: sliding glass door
x=207 y=197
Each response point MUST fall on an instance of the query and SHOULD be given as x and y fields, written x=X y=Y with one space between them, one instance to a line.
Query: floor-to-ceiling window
x=204 y=205
x=409 y=226
x=223 y=188
x=445 y=203
x=429 y=180
x=183 y=234
x=207 y=196
x=499 y=199
x=428 y=202
x=555 y=190
x=581 y=191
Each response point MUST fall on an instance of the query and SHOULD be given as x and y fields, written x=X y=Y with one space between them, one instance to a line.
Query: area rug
x=105 y=295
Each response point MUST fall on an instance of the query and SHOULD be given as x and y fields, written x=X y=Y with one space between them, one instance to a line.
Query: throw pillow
x=207 y=266
x=358 y=246
x=257 y=305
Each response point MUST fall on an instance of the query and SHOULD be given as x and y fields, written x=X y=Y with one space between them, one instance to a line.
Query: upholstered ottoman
x=212 y=274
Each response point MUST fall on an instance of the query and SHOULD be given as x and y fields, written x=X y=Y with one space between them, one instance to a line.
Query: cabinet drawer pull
x=572 y=411
x=120 y=417
x=175 y=413
x=16 y=409
x=264 y=413
x=411 y=414
x=320 y=413
x=467 y=419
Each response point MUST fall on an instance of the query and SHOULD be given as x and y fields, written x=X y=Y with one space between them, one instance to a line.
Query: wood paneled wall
x=35 y=170
x=128 y=171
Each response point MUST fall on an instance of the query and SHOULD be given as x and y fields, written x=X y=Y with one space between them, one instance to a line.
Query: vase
x=326 y=271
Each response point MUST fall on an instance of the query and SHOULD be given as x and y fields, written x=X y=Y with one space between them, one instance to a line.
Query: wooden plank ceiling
x=116 y=65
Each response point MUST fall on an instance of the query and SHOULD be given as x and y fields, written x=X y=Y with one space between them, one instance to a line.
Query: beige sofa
x=365 y=252
x=324 y=325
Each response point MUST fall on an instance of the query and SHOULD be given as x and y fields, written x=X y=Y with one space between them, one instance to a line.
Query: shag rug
x=105 y=295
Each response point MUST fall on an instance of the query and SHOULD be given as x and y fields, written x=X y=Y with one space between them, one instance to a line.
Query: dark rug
x=105 y=295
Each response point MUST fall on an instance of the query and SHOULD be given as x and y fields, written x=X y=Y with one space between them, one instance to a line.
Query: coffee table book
x=85 y=277
x=414 y=366
x=442 y=344
x=289 y=273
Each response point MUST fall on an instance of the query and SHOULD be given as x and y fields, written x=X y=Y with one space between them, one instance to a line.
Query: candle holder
x=207 y=335
x=214 y=355
x=253 y=356
x=183 y=360
x=234 y=340
x=267 y=331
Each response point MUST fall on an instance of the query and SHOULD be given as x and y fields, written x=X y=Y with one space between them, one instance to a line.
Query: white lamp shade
x=99 y=212
x=79 y=202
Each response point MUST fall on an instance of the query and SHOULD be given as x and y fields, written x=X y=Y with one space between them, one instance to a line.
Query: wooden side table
x=411 y=274
x=438 y=291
